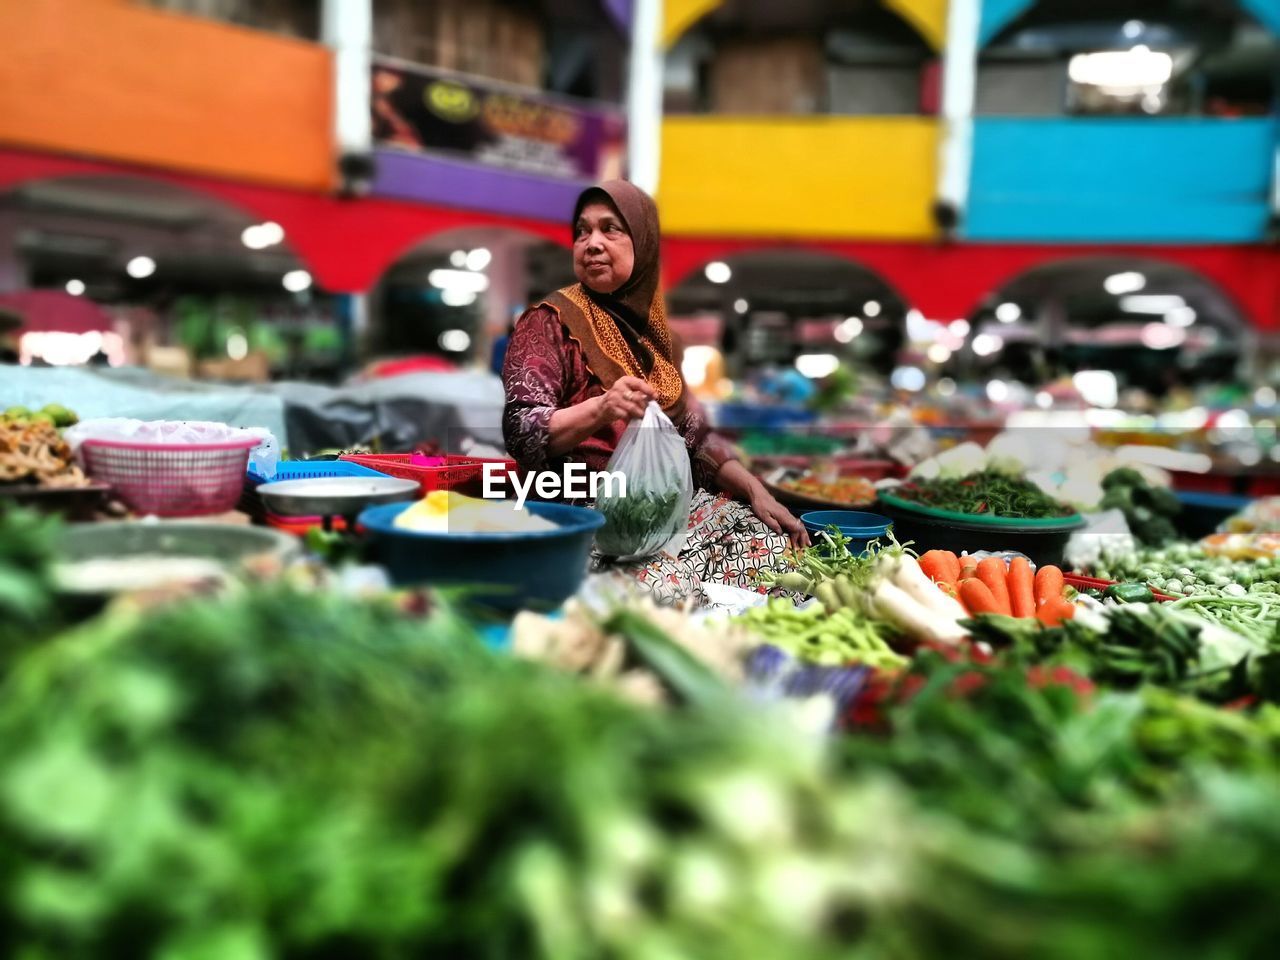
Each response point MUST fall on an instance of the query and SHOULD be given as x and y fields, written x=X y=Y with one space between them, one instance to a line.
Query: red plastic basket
x=171 y=480
x=464 y=474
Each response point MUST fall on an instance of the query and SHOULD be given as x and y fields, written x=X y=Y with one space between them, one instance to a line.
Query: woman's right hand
x=625 y=400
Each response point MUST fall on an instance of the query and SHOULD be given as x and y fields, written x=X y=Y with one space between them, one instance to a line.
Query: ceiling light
x=453 y=297
x=1180 y=317
x=1161 y=336
x=237 y=346
x=986 y=344
x=946 y=387
x=458 y=259
x=253 y=238
x=741 y=306
x=463 y=280
x=718 y=272
x=1097 y=388
x=1133 y=29
x=938 y=353
x=1152 y=303
x=140 y=267
x=910 y=379
x=871 y=308
x=1265 y=396
x=75 y=287
x=295 y=281
x=477 y=259
x=1044 y=400
x=1119 y=284
x=959 y=328
x=997 y=391
x=847 y=329
x=815 y=366
x=455 y=341
x=1122 y=72
x=1008 y=313
x=272 y=232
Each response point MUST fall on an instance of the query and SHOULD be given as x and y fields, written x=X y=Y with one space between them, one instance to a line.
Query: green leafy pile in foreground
x=290 y=774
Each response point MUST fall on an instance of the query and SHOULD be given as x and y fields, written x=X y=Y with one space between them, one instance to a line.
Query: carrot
x=993 y=573
x=950 y=589
x=1055 y=610
x=976 y=597
x=1022 y=597
x=940 y=566
x=1048 y=584
x=968 y=568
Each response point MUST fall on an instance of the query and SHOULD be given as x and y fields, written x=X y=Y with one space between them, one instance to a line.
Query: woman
x=588 y=359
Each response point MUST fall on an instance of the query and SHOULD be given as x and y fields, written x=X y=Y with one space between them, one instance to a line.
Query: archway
x=1143 y=57
x=196 y=284
x=852 y=57
x=757 y=313
x=1124 y=322
x=450 y=297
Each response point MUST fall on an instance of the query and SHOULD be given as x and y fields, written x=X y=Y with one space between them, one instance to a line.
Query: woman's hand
x=625 y=400
x=777 y=517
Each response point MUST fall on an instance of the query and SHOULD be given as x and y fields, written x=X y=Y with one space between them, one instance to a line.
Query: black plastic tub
x=1042 y=541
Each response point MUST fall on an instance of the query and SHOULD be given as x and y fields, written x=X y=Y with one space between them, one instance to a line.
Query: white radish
x=904 y=571
x=913 y=618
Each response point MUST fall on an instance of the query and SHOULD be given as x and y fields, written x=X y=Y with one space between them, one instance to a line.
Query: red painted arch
x=949 y=281
x=345 y=244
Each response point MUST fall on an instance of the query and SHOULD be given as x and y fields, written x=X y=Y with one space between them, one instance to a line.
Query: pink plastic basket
x=171 y=480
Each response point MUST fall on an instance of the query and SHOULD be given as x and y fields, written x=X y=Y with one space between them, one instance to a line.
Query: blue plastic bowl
x=511 y=571
x=859 y=527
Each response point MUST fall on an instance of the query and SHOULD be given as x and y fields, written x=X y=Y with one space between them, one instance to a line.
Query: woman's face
x=603 y=255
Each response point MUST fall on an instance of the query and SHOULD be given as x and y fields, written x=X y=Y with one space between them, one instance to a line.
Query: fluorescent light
x=461 y=280
x=938 y=353
x=815 y=366
x=75 y=287
x=295 y=281
x=1119 y=284
x=848 y=329
x=1008 y=313
x=253 y=238
x=986 y=344
x=455 y=341
x=1180 y=317
x=997 y=391
x=1122 y=72
x=140 y=267
x=453 y=297
x=910 y=379
x=741 y=306
x=458 y=258
x=1098 y=388
x=1160 y=303
x=718 y=272
x=477 y=259
x=272 y=231
x=237 y=346
x=871 y=308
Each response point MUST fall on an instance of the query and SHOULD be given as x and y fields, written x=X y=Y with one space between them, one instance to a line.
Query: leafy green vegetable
x=985 y=493
x=1148 y=509
x=638 y=519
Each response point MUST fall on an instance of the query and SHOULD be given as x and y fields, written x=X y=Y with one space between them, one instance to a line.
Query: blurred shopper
x=587 y=360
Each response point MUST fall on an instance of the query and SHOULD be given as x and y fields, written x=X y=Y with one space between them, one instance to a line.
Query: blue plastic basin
x=858 y=526
x=511 y=571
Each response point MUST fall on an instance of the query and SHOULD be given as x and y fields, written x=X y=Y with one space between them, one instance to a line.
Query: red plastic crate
x=463 y=474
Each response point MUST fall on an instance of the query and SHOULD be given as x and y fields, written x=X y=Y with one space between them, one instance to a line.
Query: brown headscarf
x=625 y=333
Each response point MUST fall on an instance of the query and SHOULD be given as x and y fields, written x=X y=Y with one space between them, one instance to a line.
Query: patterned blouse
x=545 y=371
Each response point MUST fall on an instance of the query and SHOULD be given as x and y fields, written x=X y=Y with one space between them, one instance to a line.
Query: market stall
x=1039 y=723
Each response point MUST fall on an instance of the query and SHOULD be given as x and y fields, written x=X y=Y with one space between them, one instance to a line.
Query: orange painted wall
x=115 y=79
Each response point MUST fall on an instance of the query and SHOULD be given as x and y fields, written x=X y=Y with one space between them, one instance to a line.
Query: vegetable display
x=1148 y=509
x=853 y=491
x=987 y=493
x=297 y=774
x=829 y=636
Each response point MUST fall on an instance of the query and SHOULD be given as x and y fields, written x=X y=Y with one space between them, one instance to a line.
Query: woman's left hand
x=777 y=517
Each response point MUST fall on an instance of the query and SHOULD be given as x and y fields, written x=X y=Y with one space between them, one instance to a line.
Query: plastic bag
x=653 y=516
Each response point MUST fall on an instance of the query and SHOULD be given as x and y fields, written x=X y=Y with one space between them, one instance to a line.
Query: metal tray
x=334 y=496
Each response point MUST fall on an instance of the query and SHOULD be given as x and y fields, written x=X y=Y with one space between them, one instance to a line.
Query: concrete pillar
x=959 y=85
x=644 y=95
x=13 y=269
x=347 y=29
